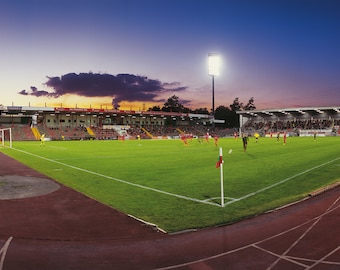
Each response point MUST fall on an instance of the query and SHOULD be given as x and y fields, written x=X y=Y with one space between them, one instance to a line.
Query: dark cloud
x=34 y=92
x=127 y=87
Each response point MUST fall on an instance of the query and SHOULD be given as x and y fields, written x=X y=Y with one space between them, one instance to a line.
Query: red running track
x=67 y=230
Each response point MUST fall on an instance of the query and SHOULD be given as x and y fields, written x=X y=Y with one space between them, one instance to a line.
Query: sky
x=135 y=54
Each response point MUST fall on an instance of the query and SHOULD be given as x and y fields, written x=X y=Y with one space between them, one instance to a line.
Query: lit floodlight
x=213 y=64
x=213 y=70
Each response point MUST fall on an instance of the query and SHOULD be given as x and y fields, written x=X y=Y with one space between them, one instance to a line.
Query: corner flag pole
x=221 y=175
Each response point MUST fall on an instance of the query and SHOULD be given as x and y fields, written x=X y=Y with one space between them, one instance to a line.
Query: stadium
x=130 y=138
x=123 y=188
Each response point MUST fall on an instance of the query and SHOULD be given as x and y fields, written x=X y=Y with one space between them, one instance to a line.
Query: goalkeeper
x=42 y=139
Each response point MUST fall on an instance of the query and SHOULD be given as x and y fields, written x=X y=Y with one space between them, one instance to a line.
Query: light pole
x=213 y=70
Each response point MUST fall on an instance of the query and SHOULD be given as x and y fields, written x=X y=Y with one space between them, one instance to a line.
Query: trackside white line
x=303 y=234
x=3 y=251
x=120 y=180
x=323 y=258
x=281 y=257
x=279 y=183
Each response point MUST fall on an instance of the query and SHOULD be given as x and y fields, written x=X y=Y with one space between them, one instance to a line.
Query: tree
x=236 y=106
x=201 y=111
x=250 y=105
x=155 y=109
x=229 y=116
x=173 y=105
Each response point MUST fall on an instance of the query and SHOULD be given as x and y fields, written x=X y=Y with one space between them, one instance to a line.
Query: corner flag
x=220 y=159
x=219 y=164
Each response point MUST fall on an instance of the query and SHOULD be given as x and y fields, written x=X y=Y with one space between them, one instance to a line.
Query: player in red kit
x=284 y=138
x=216 y=140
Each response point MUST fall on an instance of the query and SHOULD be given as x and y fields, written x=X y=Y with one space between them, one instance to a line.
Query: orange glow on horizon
x=133 y=106
x=74 y=101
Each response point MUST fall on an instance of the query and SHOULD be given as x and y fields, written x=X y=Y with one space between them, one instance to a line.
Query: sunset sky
x=138 y=53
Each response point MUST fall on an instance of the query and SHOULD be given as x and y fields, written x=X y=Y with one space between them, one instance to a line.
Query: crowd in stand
x=294 y=126
x=169 y=131
x=23 y=132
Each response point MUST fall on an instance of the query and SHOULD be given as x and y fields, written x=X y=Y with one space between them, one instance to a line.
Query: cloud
x=122 y=87
x=34 y=92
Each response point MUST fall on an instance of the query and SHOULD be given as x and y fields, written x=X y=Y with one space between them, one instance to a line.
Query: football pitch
x=178 y=187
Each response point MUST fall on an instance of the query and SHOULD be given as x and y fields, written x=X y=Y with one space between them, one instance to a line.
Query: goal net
x=6 y=137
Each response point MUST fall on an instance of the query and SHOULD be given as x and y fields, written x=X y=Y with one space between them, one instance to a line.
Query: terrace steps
x=36 y=133
x=147 y=132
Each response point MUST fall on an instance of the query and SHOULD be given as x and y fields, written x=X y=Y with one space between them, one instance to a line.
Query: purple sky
x=284 y=53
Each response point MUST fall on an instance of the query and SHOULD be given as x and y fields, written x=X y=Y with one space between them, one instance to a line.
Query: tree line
x=228 y=114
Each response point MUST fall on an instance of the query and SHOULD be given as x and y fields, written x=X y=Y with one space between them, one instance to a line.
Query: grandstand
x=81 y=123
x=324 y=121
x=28 y=123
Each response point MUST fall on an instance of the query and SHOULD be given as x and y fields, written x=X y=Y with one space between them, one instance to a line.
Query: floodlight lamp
x=213 y=64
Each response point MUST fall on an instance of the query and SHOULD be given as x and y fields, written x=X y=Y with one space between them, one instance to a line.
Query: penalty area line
x=120 y=180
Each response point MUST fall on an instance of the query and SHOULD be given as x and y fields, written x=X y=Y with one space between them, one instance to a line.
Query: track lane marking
x=216 y=256
x=3 y=251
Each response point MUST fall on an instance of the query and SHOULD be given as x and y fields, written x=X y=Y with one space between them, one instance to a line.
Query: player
x=207 y=137
x=284 y=138
x=42 y=139
x=138 y=139
x=278 y=137
x=184 y=139
x=235 y=135
x=245 y=142
x=256 y=135
x=216 y=140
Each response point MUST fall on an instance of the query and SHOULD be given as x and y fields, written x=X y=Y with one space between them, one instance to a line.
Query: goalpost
x=6 y=137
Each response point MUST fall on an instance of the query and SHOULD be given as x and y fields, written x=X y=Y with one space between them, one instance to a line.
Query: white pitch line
x=120 y=180
x=218 y=198
x=177 y=195
x=279 y=183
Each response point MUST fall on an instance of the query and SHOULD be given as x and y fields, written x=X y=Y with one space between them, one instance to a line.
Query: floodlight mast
x=213 y=70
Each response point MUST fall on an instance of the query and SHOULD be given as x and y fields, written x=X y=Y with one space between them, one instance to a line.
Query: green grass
x=144 y=180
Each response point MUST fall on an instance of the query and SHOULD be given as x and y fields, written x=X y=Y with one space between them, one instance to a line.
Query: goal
x=6 y=137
